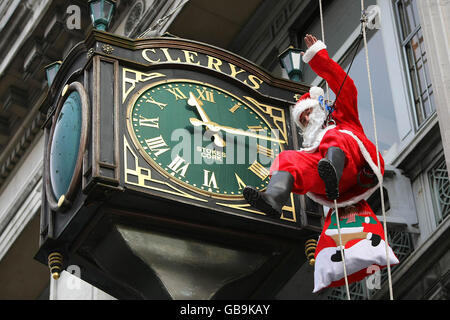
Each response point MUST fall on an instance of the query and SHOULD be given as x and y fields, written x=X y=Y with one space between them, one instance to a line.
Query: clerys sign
x=191 y=57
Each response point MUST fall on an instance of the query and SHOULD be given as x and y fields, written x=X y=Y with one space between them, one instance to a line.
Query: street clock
x=149 y=144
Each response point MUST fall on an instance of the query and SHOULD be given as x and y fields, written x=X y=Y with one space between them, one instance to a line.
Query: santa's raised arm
x=346 y=107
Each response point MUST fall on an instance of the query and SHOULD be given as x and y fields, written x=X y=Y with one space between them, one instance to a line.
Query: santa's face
x=314 y=120
x=304 y=117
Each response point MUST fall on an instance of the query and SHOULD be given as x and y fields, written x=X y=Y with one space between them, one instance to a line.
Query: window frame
x=404 y=41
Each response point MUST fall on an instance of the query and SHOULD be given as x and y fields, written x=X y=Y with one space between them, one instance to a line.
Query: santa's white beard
x=311 y=134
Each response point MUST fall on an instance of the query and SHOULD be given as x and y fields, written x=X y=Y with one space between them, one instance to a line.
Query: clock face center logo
x=203 y=137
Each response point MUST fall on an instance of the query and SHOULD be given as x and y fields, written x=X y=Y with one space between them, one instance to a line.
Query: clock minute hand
x=194 y=102
x=216 y=127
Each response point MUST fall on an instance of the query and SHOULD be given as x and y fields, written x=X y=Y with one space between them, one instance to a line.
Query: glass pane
x=405 y=28
x=416 y=85
x=411 y=14
x=432 y=104
x=427 y=71
x=96 y=9
x=407 y=11
x=107 y=10
x=420 y=77
x=415 y=48
x=429 y=105
x=296 y=60
x=287 y=63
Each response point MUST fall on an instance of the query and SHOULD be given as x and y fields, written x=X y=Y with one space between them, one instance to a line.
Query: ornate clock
x=203 y=137
x=150 y=145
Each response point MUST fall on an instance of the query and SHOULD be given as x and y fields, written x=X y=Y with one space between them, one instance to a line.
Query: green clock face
x=203 y=137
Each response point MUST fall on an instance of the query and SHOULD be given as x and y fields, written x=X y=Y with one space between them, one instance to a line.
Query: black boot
x=375 y=239
x=337 y=256
x=273 y=199
x=330 y=170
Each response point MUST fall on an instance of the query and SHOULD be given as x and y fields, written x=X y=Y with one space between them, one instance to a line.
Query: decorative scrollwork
x=106 y=48
x=441 y=187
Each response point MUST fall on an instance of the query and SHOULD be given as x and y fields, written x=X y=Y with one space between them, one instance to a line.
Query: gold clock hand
x=194 y=102
x=216 y=127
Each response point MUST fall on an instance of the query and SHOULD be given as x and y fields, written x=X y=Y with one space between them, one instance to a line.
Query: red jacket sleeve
x=346 y=107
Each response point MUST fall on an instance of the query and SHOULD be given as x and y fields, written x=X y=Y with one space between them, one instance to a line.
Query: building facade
x=408 y=54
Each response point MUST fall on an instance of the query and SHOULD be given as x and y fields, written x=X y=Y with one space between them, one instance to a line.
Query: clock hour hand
x=194 y=102
x=216 y=127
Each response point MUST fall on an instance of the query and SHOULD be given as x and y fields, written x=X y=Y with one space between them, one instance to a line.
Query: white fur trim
x=319 y=139
x=301 y=106
x=323 y=201
x=366 y=155
x=316 y=92
x=311 y=52
x=344 y=230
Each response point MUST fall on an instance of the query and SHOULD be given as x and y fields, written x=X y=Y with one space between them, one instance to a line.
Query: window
x=440 y=188
x=411 y=38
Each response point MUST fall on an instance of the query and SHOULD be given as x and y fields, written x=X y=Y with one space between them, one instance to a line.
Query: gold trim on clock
x=279 y=121
x=248 y=208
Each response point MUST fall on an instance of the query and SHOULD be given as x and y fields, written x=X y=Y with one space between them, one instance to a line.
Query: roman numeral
x=265 y=151
x=241 y=183
x=157 y=145
x=259 y=170
x=145 y=122
x=176 y=166
x=209 y=180
x=206 y=95
x=235 y=107
x=161 y=105
x=177 y=93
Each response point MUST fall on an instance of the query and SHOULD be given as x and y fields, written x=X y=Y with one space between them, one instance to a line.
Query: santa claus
x=337 y=161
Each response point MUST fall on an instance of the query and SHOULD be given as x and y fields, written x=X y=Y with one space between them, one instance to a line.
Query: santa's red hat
x=306 y=101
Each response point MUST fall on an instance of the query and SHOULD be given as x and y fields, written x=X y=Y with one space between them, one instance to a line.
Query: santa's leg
x=273 y=199
x=292 y=171
x=330 y=170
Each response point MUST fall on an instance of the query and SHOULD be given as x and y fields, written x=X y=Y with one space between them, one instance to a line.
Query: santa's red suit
x=347 y=134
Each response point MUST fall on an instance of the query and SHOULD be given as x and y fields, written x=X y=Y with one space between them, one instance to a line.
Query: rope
x=364 y=23
x=342 y=250
x=323 y=40
x=335 y=202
